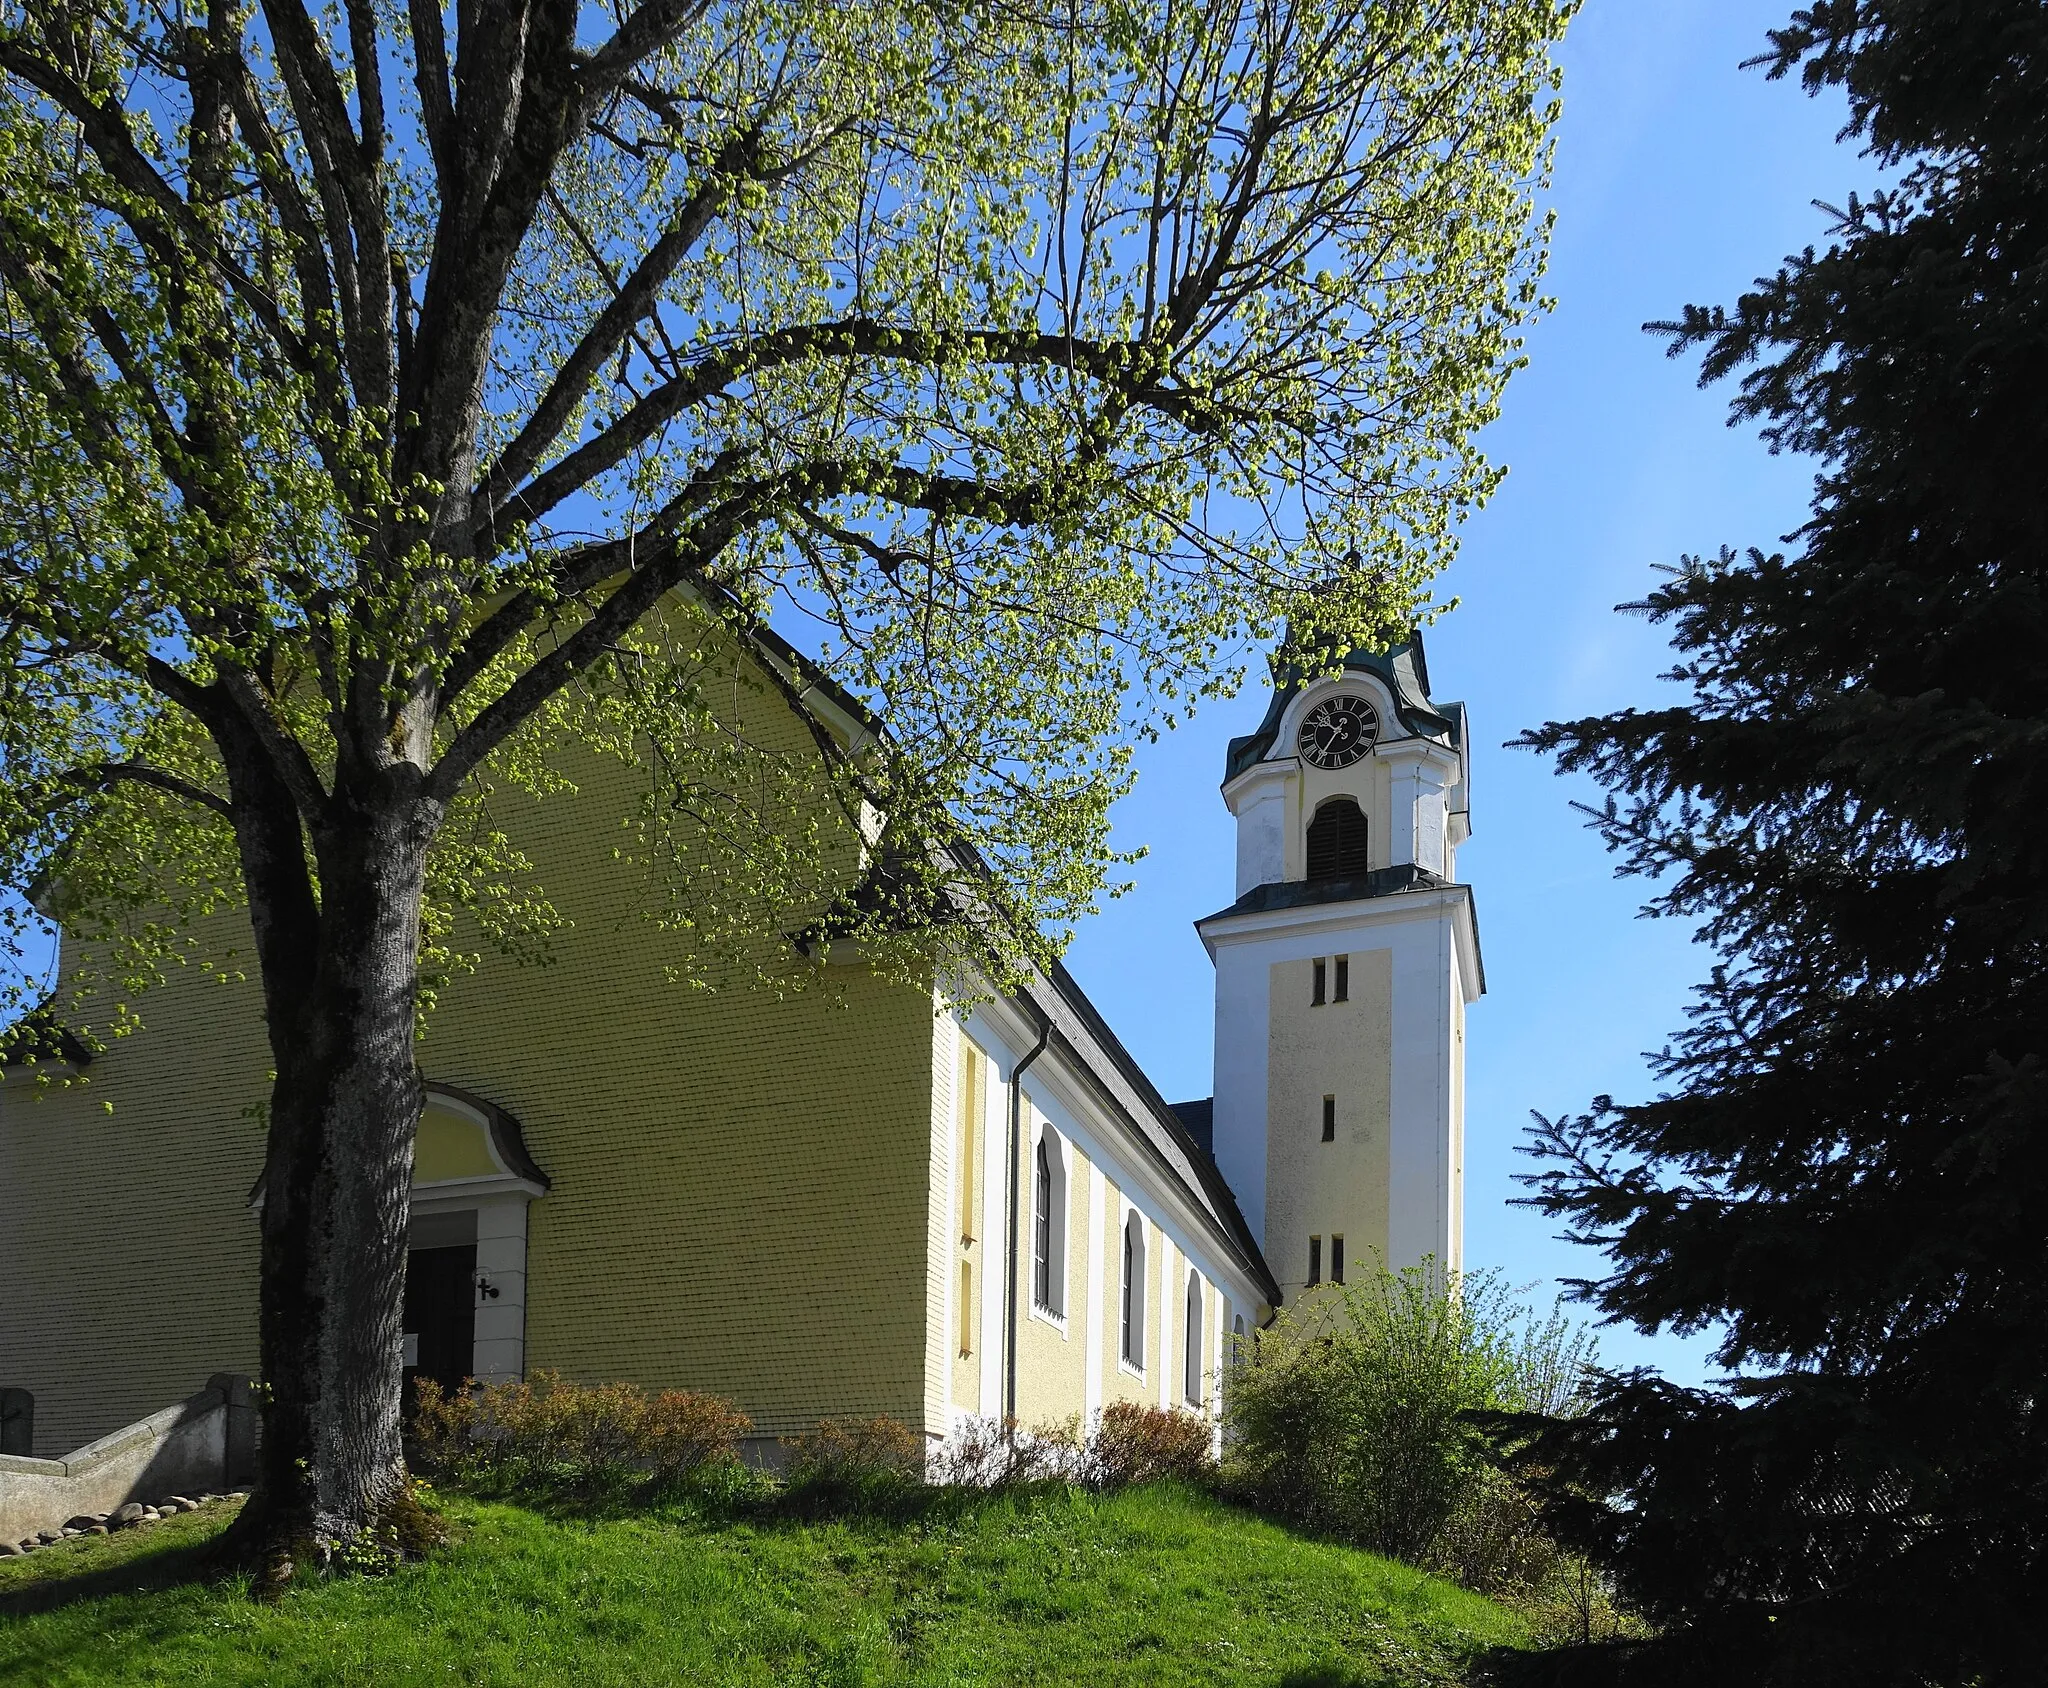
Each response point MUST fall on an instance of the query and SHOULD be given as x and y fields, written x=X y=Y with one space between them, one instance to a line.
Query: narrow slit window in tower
x=1315 y=1261
x=1343 y=991
x=1329 y=1119
x=1336 y=1259
x=1319 y=977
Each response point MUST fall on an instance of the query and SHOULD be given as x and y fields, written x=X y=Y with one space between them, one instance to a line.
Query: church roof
x=1404 y=671
x=1300 y=893
x=39 y=1036
x=1075 y=1028
x=1094 y=1051
x=1199 y=1120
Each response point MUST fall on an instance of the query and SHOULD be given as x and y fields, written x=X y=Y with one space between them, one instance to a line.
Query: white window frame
x=1047 y=1141
x=1133 y=1285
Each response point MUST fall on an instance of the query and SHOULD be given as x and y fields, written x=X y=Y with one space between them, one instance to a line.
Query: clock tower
x=1343 y=972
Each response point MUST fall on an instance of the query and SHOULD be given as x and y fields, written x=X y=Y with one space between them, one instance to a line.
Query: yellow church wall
x=1052 y=1355
x=741 y=1185
x=127 y=1251
x=964 y=1247
x=1344 y=1049
x=1118 y=1381
x=741 y=1195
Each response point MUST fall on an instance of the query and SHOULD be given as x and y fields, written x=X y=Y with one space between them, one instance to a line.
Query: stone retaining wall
x=204 y=1444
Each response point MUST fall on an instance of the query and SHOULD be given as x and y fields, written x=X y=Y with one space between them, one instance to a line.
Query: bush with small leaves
x=855 y=1460
x=545 y=1435
x=997 y=1455
x=1359 y=1412
x=1136 y=1444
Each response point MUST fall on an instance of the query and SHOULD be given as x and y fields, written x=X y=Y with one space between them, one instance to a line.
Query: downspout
x=1010 y=1253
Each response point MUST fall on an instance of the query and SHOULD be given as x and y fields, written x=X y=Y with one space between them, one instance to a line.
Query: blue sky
x=1680 y=177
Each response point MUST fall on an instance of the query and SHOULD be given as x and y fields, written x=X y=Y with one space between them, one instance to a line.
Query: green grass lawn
x=1154 y=1586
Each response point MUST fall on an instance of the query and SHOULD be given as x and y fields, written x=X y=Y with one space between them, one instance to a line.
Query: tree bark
x=344 y=1109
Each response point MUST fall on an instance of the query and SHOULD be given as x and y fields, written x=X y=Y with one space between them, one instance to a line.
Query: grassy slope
x=1150 y=1587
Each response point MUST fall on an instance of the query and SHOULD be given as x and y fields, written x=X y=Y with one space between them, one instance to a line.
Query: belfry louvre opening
x=1336 y=841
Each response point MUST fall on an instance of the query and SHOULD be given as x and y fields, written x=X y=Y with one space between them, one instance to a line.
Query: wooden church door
x=440 y=1314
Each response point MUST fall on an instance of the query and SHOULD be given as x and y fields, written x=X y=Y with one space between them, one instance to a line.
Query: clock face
x=1338 y=731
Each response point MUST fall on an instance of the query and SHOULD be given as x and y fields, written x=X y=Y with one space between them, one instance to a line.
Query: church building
x=829 y=1203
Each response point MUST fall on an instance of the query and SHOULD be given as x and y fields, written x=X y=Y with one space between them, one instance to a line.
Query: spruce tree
x=1845 y=1173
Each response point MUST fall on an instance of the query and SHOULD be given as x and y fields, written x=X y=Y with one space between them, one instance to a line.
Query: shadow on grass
x=146 y=1573
x=743 y=1496
x=1590 y=1664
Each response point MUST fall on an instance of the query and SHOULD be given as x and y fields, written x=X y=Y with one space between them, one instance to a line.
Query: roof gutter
x=1010 y=1246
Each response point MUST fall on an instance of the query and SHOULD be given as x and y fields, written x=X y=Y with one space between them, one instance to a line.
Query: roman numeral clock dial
x=1337 y=732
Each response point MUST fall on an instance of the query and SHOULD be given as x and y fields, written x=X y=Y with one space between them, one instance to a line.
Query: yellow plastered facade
x=969 y=1249
x=449 y=1145
x=1052 y=1346
x=767 y=1196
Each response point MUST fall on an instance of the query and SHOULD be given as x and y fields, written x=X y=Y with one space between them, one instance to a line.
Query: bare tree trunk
x=344 y=1109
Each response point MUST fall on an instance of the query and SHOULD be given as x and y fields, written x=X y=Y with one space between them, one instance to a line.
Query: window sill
x=1130 y=1370
x=1046 y=1316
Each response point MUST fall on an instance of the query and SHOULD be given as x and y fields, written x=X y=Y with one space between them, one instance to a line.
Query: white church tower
x=1343 y=971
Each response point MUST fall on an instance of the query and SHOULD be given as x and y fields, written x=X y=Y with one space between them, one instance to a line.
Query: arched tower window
x=1336 y=841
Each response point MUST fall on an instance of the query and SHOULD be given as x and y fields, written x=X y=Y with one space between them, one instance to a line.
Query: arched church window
x=1041 y=1232
x=1134 y=1293
x=1192 y=1367
x=1336 y=841
x=1049 y=1225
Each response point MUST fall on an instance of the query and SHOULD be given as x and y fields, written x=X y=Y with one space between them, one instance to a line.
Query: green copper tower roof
x=1401 y=668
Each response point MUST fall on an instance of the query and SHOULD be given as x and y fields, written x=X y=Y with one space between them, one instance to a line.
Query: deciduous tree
x=396 y=393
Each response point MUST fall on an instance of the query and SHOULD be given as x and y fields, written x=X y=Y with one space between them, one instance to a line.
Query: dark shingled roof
x=1300 y=893
x=1401 y=668
x=1200 y=1120
x=38 y=1036
x=1158 y=1125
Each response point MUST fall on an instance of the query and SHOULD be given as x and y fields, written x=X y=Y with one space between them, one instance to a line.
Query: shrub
x=856 y=1460
x=1134 y=1444
x=998 y=1455
x=1352 y=1414
x=545 y=1435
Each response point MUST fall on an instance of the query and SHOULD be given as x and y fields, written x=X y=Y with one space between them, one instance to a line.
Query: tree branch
x=294 y=768
x=661 y=565
x=103 y=776
x=648 y=29
x=345 y=169
x=628 y=306
x=1126 y=367
x=430 y=74
x=105 y=133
